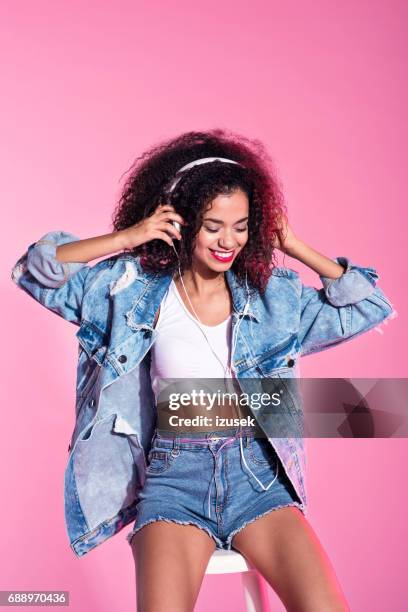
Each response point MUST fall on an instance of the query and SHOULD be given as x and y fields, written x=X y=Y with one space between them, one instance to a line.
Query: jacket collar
x=143 y=311
x=239 y=297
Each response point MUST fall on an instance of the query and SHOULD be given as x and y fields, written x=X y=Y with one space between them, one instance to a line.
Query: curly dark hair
x=154 y=170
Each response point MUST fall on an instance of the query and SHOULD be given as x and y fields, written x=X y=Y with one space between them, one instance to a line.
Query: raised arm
x=54 y=269
x=349 y=303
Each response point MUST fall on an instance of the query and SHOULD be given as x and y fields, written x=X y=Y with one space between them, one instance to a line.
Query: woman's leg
x=285 y=549
x=170 y=563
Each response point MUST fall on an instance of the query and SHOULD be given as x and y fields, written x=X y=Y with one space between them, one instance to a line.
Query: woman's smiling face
x=223 y=233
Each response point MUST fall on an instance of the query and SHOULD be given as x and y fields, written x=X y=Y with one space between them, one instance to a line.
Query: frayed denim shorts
x=218 y=481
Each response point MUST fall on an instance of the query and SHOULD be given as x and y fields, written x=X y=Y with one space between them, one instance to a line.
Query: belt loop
x=176 y=445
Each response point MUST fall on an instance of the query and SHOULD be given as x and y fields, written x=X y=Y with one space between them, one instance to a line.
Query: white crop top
x=180 y=349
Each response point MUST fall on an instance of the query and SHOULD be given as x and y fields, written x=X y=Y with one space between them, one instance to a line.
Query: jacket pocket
x=284 y=415
x=280 y=359
x=108 y=464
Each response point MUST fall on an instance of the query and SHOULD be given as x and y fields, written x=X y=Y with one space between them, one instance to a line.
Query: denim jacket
x=114 y=304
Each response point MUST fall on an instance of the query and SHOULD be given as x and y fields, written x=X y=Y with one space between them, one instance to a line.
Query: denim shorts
x=202 y=480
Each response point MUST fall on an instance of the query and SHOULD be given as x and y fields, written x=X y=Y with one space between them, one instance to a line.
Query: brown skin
x=287 y=552
x=170 y=563
x=205 y=282
x=171 y=559
x=296 y=248
x=155 y=226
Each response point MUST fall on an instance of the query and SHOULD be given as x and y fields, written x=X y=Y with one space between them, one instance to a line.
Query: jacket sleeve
x=344 y=308
x=58 y=286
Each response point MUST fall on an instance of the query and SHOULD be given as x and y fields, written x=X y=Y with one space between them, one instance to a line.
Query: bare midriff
x=192 y=418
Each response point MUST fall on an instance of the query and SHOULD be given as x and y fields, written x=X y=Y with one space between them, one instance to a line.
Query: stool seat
x=227 y=562
x=254 y=586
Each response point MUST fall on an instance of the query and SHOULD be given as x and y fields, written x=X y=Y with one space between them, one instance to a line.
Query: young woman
x=198 y=300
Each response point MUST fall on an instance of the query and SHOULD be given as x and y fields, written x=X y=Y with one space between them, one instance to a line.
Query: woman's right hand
x=155 y=226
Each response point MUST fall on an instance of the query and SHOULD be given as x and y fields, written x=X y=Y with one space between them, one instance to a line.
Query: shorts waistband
x=176 y=440
x=203 y=435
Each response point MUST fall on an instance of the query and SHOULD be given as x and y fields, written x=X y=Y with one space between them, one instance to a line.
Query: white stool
x=230 y=562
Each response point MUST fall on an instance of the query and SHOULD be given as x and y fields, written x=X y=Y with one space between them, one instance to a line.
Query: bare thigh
x=170 y=563
x=287 y=552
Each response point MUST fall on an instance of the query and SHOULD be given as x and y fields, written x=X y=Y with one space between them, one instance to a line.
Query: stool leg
x=256 y=598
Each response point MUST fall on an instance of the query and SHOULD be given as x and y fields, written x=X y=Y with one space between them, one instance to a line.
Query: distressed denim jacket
x=114 y=303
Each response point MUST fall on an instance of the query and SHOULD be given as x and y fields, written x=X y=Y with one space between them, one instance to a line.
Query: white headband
x=203 y=160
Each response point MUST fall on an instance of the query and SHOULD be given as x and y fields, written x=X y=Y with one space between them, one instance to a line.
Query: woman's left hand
x=285 y=238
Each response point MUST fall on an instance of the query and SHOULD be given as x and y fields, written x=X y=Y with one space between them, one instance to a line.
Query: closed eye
x=238 y=229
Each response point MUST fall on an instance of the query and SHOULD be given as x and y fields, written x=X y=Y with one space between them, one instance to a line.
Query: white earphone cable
x=228 y=368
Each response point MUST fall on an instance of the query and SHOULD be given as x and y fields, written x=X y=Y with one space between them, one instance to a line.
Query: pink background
x=87 y=87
